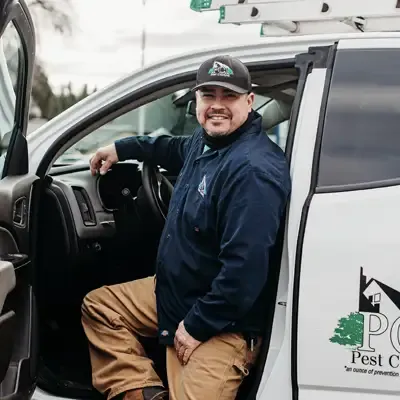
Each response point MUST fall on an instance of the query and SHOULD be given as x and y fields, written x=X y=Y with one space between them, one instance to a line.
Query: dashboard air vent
x=85 y=206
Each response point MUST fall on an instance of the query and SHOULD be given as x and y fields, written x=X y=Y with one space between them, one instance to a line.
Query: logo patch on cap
x=219 y=69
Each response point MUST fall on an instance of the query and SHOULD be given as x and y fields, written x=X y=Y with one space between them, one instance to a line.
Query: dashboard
x=92 y=231
x=89 y=203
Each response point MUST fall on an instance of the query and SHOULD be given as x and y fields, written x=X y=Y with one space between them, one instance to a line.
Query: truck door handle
x=20 y=212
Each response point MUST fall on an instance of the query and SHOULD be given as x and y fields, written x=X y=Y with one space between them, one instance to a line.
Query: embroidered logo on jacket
x=203 y=187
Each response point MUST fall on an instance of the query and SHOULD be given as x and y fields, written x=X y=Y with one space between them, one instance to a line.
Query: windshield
x=166 y=115
x=85 y=148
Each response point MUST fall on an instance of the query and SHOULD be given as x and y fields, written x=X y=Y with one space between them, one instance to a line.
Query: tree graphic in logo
x=349 y=331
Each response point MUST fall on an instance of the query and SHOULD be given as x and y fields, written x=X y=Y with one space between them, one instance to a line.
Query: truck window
x=361 y=132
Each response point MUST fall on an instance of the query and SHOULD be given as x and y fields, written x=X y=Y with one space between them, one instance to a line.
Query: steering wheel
x=153 y=181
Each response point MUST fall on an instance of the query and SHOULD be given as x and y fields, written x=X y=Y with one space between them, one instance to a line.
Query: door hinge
x=317 y=57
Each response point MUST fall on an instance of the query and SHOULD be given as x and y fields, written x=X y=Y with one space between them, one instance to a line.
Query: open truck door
x=18 y=336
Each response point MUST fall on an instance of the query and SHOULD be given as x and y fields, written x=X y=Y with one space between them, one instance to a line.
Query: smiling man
x=223 y=100
x=207 y=301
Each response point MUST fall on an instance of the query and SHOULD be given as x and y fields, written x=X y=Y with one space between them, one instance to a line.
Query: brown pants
x=115 y=316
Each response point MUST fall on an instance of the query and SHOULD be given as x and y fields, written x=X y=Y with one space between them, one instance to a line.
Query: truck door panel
x=347 y=284
x=18 y=333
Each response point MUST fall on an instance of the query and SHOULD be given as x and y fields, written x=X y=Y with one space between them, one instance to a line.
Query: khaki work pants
x=113 y=318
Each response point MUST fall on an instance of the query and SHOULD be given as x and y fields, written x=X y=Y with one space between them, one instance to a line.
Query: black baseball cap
x=224 y=71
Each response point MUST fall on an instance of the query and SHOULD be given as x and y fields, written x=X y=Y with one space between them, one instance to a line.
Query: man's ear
x=250 y=100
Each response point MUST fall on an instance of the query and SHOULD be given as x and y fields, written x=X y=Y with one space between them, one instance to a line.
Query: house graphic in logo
x=375 y=296
x=220 y=69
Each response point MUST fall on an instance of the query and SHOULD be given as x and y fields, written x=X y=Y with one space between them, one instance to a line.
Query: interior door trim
x=7 y=281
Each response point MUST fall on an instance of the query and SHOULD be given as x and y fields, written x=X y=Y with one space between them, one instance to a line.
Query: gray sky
x=106 y=41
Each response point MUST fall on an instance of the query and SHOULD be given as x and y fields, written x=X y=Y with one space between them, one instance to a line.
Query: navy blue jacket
x=223 y=218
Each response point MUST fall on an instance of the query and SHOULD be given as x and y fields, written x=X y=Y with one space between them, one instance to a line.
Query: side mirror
x=191 y=108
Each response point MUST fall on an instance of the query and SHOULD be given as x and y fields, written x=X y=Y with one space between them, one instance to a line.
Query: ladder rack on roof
x=306 y=17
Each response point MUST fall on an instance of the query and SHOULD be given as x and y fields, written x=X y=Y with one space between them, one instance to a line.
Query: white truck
x=328 y=76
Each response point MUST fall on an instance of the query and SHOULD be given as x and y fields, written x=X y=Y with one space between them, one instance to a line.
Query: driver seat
x=274 y=113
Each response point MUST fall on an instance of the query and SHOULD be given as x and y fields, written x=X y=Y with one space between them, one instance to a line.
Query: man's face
x=221 y=111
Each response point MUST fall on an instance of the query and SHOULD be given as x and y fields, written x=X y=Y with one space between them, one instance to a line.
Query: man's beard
x=218 y=113
x=216 y=134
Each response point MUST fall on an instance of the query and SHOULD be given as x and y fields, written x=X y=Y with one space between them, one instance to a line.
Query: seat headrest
x=275 y=112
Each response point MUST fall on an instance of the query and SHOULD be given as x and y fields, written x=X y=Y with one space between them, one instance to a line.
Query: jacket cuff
x=125 y=148
x=196 y=328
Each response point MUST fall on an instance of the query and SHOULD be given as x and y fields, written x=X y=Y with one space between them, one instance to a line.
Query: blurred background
x=83 y=45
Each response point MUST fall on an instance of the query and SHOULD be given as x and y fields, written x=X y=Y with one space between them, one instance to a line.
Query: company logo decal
x=371 y=333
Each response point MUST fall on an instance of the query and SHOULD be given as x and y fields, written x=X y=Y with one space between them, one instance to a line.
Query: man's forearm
x=169 y=152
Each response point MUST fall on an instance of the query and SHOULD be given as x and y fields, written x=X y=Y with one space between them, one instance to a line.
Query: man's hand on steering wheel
x=103 y=159
x=152 y=179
